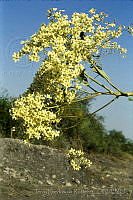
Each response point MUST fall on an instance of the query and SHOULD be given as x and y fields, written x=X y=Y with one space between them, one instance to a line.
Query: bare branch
x=105 y=105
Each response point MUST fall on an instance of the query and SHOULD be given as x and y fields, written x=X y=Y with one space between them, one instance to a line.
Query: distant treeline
x=80 y=130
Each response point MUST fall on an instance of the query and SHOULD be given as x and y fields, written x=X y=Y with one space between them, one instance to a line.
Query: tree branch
x=97 y=82
x=105 y=105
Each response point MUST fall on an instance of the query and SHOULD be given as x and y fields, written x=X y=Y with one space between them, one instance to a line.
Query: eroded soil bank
x=38 y=172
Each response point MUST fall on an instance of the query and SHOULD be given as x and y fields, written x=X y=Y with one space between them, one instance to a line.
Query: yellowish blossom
x=92 y=11
x=64 y=49
x=76 y=159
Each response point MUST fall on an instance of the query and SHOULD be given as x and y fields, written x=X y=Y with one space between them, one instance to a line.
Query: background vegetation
x=81 y=130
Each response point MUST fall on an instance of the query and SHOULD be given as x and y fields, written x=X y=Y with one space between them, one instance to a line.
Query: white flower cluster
x=76 y=159
x=61 y=42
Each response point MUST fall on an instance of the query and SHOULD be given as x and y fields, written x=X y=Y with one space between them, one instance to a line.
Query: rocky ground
x=38 y=172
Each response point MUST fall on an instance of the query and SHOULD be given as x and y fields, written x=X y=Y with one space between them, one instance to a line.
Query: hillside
x=40 y=172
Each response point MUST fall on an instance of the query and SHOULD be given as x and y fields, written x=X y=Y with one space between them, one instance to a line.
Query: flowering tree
x=72 y=50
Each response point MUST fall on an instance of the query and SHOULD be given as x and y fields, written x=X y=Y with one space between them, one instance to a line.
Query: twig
x=91 y=114
x=105 y=105
x=97 y=82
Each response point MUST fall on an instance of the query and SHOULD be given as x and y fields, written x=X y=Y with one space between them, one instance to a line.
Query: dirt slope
x=38 y=172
